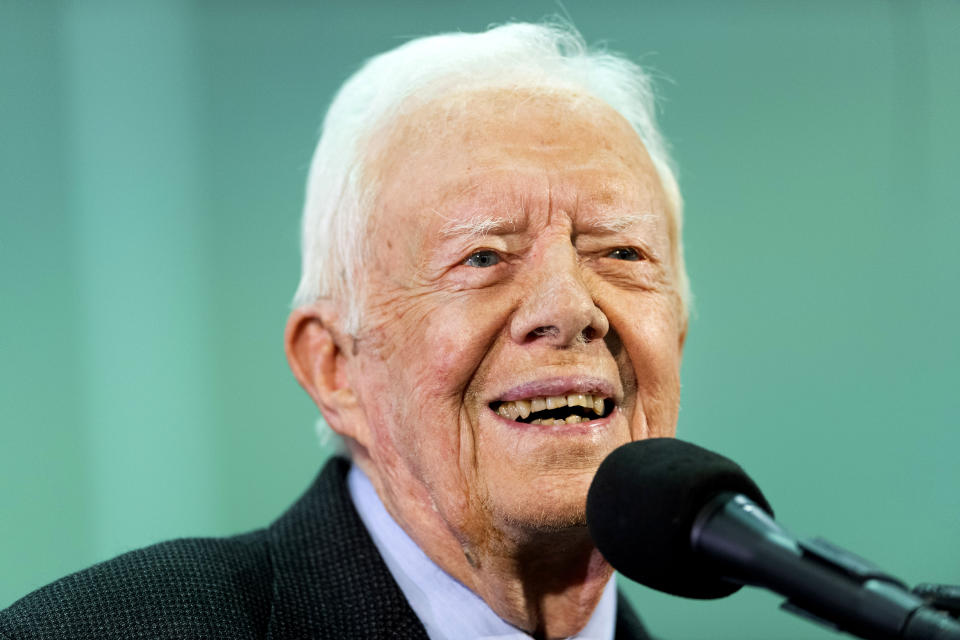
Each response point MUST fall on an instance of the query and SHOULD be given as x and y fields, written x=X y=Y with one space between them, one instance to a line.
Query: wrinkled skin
x=572 y=283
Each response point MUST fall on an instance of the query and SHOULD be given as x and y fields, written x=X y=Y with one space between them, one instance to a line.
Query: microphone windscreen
x=642 y=505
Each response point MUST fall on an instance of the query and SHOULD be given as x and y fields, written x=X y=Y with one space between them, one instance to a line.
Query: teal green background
x=152 y=161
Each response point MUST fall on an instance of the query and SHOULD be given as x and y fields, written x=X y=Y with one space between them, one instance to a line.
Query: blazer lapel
x=329 y=579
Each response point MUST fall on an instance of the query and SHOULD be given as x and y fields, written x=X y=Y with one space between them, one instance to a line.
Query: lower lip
x=562 y=428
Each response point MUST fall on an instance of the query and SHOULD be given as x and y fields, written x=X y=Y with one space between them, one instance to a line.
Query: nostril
x=545 y=331
x=589 y=334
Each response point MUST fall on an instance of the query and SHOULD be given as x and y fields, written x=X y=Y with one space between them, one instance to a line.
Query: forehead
x=507 y=145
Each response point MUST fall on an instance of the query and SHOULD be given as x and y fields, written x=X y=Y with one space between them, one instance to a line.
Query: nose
x=558 y=309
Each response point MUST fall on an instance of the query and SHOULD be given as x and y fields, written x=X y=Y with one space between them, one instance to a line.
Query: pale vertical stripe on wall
x=135 y=162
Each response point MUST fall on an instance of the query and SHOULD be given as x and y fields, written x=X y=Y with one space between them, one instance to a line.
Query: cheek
x=652 y=343
x=428 y=352
x=447 y=349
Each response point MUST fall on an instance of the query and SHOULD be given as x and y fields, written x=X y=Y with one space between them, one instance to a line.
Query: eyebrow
x=605 y=224
x=480 y=225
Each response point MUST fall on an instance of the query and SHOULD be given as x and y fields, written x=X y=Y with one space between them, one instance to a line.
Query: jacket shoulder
x=188 y=588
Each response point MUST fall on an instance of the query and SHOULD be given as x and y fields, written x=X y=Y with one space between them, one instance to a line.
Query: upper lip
x=558 y=386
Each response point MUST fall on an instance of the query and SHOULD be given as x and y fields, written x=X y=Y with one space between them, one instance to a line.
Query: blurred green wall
x=152 y=160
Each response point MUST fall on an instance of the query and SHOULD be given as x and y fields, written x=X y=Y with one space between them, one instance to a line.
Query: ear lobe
x=318 y=359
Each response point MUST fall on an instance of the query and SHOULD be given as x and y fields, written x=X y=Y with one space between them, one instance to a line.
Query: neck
x=546 y=582
x=548 y=585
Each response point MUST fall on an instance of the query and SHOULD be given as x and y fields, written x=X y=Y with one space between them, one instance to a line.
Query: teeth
x=569 y=420
x=509 y=410
x=523 y=408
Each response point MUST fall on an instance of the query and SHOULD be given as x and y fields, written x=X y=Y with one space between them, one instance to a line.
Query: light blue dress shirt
x=447 y=609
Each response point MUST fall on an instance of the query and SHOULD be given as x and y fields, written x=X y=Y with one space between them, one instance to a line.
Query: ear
x=319 y=354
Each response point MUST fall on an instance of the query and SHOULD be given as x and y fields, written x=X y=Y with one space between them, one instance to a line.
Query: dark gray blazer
x=314 y=573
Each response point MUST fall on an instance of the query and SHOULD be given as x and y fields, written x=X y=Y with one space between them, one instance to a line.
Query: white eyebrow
x=478 y=226
x=618 y=223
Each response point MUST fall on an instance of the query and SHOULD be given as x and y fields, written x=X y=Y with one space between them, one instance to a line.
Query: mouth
x=571 y=408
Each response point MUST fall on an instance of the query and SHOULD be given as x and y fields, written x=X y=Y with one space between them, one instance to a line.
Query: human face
x=520 y=250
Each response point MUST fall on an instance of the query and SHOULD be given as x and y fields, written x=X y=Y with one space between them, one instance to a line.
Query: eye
x=482 y=258
x=625 y=253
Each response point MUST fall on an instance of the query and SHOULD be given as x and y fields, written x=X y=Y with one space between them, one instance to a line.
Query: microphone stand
x=945 y=597
x=932 y=621
x=821 y=581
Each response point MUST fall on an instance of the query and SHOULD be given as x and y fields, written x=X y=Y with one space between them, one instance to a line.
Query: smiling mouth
x=548 y=410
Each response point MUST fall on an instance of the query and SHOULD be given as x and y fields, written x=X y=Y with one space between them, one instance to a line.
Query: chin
x=544 y=505
x=548 y=519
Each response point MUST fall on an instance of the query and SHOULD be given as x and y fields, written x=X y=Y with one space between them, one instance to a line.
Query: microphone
x=687 y=521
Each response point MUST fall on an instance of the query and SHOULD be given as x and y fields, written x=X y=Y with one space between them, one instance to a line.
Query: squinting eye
x=625 y=253
x=483 y=258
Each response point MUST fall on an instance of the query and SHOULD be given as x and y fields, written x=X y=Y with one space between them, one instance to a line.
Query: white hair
x=548 y=57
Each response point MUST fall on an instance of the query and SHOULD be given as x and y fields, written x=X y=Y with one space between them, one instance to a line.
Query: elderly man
x=493 y=299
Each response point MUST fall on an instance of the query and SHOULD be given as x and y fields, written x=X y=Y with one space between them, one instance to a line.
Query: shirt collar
x=434 y=595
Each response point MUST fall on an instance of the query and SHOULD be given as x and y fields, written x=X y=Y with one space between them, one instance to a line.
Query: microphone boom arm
x=820 y=580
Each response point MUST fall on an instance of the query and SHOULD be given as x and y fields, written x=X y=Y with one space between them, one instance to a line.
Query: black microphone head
x=642 y=505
